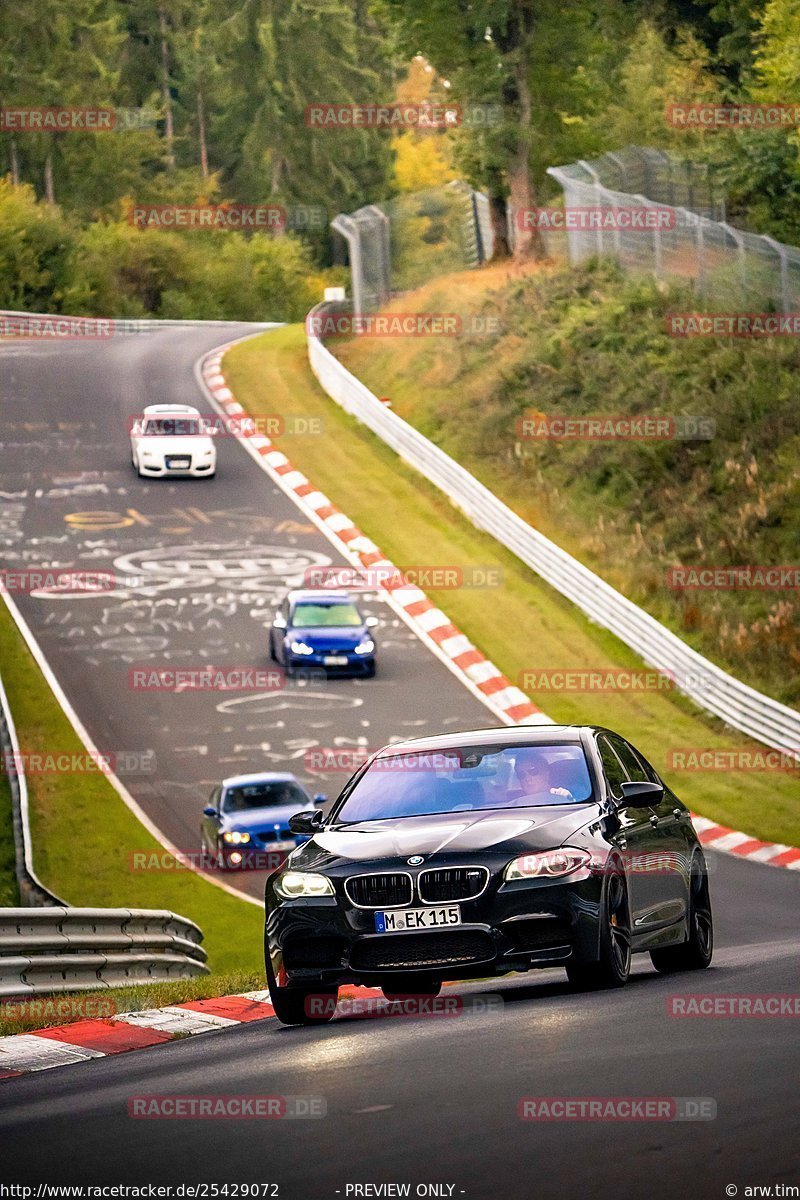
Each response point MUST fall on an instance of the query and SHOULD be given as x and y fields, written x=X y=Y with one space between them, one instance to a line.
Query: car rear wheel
x=614 y=965
x=696 y=952
x=301 y=1005
x=410 y=985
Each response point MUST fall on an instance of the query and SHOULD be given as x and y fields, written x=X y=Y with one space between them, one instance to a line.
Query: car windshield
x=263 y=795
x=468 y=779
x=174 y=427
x=317 y=613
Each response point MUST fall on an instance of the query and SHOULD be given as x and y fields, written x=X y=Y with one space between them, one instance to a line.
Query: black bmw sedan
x=481 y=853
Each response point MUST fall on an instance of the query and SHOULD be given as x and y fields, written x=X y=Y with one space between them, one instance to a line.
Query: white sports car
x=173 y=439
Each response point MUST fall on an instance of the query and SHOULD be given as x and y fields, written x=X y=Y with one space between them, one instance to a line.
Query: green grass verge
x=41 y=1012
x=520 y=625
x=9 y=893
x=83 y=833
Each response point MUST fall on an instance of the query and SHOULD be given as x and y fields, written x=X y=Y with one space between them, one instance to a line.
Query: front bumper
x=511 y=927
x=159 y=469
x=356 y=664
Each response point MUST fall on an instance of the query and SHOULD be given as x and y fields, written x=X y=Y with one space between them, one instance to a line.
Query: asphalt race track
x=419 y=1100
x=208 y=561
x=409 y=1100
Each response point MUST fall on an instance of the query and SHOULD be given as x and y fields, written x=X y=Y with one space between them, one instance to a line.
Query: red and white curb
x=429 y=622
x=742 y=845
x=62 y=1045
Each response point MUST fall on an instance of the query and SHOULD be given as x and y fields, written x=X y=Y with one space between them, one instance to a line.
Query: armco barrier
x=58 y=949
x=710 y=687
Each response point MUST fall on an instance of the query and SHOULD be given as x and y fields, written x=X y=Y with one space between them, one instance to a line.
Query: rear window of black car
x=468 y=779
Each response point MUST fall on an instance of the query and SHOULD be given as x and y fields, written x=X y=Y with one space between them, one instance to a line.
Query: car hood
x=517 y=830
x=261 y=818
x=177 y=445
x=339 y=636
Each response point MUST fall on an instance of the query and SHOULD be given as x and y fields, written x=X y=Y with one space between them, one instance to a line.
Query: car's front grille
x=313 y=952
x=265 y=836
x=538 y=933
x=446 y=884
x=386 y=890
x=421 y=950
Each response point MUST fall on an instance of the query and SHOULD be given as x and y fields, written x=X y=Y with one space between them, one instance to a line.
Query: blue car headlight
x=365 y=647
x=235 y=838
x=301 y=648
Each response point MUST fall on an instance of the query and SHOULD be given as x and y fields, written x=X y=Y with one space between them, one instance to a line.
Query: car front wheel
x=301 y=1005
x=696 y=952
x=614 y=964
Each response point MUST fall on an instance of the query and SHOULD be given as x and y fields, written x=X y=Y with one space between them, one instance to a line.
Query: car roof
x=260 y=777
x=325 y=596
x=503 y=735
x=174 y=410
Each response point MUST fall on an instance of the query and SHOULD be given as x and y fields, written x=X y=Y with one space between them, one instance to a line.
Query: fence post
x=780 y=250
x=595 y=178
x=348 y=228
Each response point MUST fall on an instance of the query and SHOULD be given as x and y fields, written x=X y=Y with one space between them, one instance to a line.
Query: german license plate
x=178 y=462
x=417 y=918
x=335 y=660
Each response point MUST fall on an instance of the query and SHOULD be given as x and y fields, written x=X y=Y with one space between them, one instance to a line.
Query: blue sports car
x=323 y=630
x=246 y=822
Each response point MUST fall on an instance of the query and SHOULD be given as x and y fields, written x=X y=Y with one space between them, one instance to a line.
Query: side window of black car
x=629 y=760
x=613 y=769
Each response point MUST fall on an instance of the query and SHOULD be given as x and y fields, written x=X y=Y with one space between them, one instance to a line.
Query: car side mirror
x=306 y=822
x=209 y=811
x=280 y=621
x=321 y=798
x=642 y=795
x=372 y=622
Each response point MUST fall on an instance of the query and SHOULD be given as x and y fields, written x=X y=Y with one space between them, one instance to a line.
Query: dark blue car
x=323 y=630
x=246 y=822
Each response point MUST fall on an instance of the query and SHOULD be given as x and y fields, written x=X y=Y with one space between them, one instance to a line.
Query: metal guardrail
x=49 y=946
x=60 y=949
x=711 y=688
x=31 y=889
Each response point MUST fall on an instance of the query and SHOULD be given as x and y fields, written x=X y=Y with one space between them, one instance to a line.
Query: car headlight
x=549 y=864
x=292 y=884
x=365 y=647
x=148 y=453
x=207 y=453
x=301 y=648
x=235 y=838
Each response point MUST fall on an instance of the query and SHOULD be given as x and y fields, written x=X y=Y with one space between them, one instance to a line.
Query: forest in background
x=212 y=102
